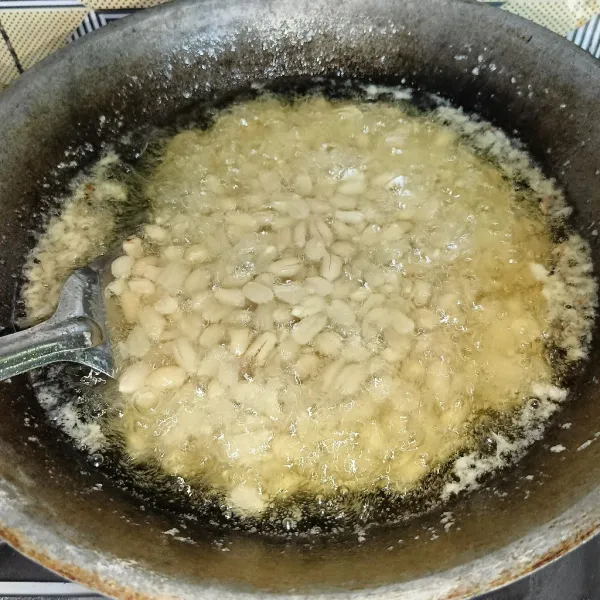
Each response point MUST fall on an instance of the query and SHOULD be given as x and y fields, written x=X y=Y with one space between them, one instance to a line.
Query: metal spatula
x=75 y=333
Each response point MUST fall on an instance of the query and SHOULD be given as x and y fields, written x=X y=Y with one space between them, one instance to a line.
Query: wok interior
x=197 y=51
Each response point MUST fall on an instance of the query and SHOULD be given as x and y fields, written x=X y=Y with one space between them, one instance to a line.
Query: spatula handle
x=49 y=342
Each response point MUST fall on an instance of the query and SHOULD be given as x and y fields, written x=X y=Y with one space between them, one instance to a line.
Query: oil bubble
x=96 y=460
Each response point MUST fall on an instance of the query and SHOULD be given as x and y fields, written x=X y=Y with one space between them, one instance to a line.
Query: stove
x=23 y=578
x=575 y=576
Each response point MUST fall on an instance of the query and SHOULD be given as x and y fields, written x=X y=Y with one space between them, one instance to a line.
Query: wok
x=57 y=118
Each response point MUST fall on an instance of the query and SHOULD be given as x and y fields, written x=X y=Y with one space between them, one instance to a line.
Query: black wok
x=141 y=71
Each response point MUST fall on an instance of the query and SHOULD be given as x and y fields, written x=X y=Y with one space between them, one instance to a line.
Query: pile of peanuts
x=326 y=295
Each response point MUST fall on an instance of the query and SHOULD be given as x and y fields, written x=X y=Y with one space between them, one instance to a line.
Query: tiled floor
x=32 y=29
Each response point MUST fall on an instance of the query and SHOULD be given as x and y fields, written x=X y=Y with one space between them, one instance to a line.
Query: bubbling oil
x=327 y=299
